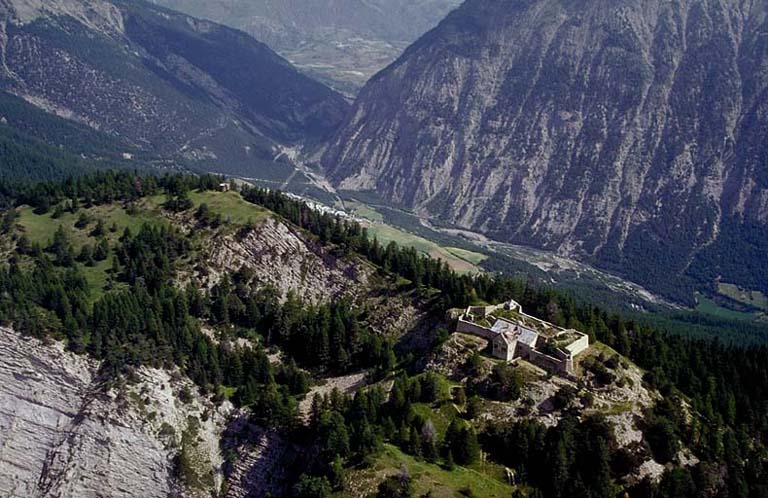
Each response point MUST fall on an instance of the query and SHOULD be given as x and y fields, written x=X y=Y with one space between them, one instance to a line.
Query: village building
x=513 y=334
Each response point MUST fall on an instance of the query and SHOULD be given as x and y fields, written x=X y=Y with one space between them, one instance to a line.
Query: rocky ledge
x=65 y=433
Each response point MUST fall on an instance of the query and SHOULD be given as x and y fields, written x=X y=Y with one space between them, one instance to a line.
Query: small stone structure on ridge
x=514 y=334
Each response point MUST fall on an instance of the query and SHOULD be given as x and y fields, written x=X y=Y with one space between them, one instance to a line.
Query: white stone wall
x=578 y=346
x=502 y=349
x=466 y=327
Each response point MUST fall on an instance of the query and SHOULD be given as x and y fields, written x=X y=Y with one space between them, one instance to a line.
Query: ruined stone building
x=513 y=334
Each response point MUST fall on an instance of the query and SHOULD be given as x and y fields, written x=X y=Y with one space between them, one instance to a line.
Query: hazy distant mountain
x=343 y=42
x=629 y=133
x=159 y=83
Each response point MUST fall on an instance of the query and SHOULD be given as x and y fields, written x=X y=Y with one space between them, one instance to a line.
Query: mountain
x=628 y=134
x=161 y=84
x=71 y=428
x=172 y=337
x=166 y=336
x=341 y=42
x=38 y=146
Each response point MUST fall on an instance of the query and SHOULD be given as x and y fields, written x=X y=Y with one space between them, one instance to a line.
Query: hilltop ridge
x=182 y=295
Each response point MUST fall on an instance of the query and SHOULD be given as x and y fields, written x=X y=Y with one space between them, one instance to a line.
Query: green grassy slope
x=40 y=228
x=482 y=480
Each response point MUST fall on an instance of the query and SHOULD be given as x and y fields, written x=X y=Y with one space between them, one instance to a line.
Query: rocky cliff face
x=284 y=258
x=627 y=133
x=289 y=261
x=341 y=42
x=169 y=85
x=65 y=434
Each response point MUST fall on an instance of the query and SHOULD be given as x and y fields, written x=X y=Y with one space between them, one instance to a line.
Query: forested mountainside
x=159 y=83
x=37 y=146
x=319 y=360
x=342 y=43
x=629 y=134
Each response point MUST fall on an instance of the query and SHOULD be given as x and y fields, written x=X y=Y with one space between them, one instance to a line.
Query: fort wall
x=467 y=327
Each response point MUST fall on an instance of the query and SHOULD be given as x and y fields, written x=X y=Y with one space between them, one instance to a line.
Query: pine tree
x=82 y=221
x=337 y=473
x=334 y=434
x=449 y=462
x=23 y=245
x=316 y=411
x=58 y=212
x=101 y=251
x=461 y=441
x=100 y=230
x=414 y=442
x=312 y=487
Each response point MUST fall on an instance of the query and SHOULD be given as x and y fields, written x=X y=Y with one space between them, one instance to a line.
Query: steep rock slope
x=341 y=42
x=279 y=255
x=284 y=258
x=66 y=434
x=628 y=133
x=165 y=83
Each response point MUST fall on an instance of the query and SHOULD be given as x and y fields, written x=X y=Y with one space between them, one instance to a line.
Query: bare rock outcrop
x=261 y=461
x=64 y=433
x=289 y=261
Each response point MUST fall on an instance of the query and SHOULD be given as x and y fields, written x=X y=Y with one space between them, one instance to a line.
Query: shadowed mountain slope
x=171 y=86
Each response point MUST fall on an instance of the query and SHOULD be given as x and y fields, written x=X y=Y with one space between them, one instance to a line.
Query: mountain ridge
x=178 y=88
x=340 y=42
x=578 y=130
x=351 y=352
